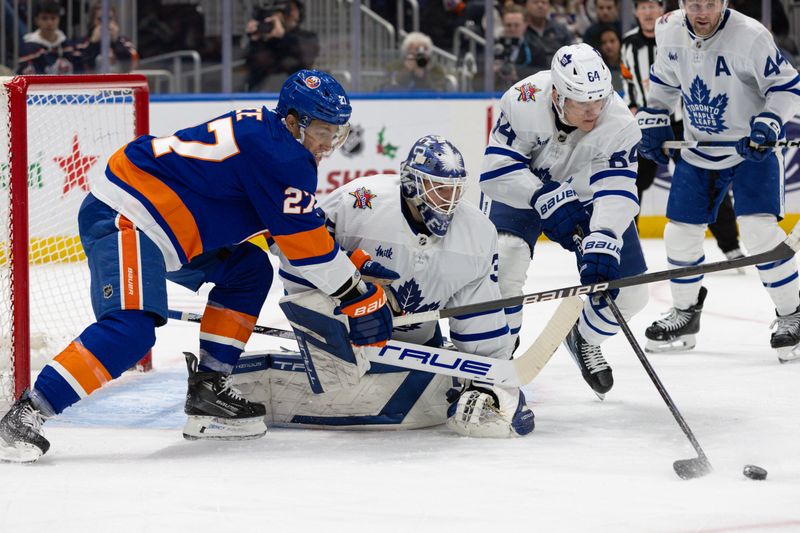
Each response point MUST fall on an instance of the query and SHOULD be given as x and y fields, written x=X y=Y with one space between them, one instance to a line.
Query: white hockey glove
x=490 y=411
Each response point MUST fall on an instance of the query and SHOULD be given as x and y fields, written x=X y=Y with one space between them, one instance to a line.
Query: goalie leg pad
x=490 y=411
x=331 y=362
x=684 y=243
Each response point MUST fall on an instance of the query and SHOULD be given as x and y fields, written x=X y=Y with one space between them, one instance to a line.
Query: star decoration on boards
x=76 y=165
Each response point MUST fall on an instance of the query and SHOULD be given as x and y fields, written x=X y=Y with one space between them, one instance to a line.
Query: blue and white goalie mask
x=433 y=179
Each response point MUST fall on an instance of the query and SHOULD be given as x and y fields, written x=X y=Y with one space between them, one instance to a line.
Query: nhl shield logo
x=354 y=144
x=363 y=198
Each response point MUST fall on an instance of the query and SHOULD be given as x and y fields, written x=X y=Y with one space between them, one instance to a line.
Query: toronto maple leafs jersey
x=435 y=273
x=220 y=183
x=528 y=146
x=723 y=81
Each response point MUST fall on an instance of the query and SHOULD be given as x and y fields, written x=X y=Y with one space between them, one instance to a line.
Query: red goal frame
x=18 y=89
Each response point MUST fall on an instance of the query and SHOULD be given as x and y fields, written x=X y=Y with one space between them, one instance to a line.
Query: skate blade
x=788 y=354
x=681 y=344
x=214 y=428
x=21 y=453
x=600 y=395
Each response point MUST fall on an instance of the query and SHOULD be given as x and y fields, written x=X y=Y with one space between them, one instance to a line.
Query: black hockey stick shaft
x=784 y=250
x=682 y=145
x=263 y=330
x=686 y=468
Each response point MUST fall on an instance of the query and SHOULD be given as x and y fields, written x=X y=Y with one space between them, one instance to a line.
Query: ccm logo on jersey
x=426 y=358
x=652 y=121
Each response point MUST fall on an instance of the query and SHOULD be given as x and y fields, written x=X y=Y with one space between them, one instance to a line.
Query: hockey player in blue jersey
x=735 y=85
x=183 y=208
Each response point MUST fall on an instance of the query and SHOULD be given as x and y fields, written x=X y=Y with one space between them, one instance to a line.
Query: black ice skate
x=21 y=436
x=676 y=331
x=594 y=368
x=216 y=410
x=786 y=336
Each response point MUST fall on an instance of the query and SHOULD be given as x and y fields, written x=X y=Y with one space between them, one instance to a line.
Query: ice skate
x=21 y=436
x=676 y=331
x=786 y=336
x=594 y=368
x=216 y=410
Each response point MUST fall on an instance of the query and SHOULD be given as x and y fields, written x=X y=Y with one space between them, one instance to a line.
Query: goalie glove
x=489 y=411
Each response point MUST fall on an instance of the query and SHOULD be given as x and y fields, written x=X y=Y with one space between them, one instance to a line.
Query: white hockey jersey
x=435 y=273
x=723 y=81
x=527 y=148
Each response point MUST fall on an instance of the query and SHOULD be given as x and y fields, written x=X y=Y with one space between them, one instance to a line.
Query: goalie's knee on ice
x=331 y=362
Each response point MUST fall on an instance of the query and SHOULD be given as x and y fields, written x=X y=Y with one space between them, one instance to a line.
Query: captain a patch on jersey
x=363 y=198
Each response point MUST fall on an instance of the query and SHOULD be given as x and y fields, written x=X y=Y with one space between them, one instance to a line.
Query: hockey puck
x=754 y=472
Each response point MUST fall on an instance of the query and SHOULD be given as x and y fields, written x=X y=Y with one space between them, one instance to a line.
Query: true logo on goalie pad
x=438 y=360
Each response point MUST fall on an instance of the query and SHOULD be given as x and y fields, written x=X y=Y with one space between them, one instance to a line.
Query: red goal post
x=56 y=135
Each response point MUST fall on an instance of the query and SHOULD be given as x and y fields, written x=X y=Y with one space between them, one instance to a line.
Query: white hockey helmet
x=579 y=73
x=685 y=10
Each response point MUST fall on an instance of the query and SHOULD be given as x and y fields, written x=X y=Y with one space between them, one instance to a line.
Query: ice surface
x=118 y=461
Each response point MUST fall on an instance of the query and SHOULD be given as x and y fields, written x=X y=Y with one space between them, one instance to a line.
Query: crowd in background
x=275 y=42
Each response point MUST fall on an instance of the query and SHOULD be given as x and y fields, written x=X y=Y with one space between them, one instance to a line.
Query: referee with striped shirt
x=638 y=53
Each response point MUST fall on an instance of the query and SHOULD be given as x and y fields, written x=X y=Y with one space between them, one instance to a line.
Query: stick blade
x=692 y=468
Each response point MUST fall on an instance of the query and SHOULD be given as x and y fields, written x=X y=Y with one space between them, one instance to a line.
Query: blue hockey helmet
x=433 y=179
x=313 y=94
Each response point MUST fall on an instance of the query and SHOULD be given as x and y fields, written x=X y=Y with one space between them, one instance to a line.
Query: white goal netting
x=71 y=131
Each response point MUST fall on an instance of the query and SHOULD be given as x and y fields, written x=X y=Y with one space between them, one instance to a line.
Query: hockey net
x=56 y=133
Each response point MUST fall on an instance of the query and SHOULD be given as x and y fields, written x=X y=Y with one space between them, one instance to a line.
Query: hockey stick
x=681 y=145
x=784 y=250
x=512 y=373
x=685 y=468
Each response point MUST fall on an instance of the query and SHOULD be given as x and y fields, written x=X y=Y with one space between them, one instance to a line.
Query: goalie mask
x=433 y=179
x=315 y=95
x=579 y=73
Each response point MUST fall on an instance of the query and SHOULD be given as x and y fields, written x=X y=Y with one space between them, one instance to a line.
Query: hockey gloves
x=372 y=271
x=656 y=129
x=600 y=259
x=561 y=211
x=369 y=317
x=764 y=128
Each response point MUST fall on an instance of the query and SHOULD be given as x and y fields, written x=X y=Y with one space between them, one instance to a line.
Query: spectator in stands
x=513 y=57
x=47 y=50
x=439 y=19
x=5 y=71
x=276 y=45
x=543 y=35
x=124 y=56
x=610 y=49
x=607 y=14
x=416 y=72
x=572 y=14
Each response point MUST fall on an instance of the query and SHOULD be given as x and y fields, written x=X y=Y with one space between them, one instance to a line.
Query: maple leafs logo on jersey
x=363 y=198
x=705 y=113
x=409 y=298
